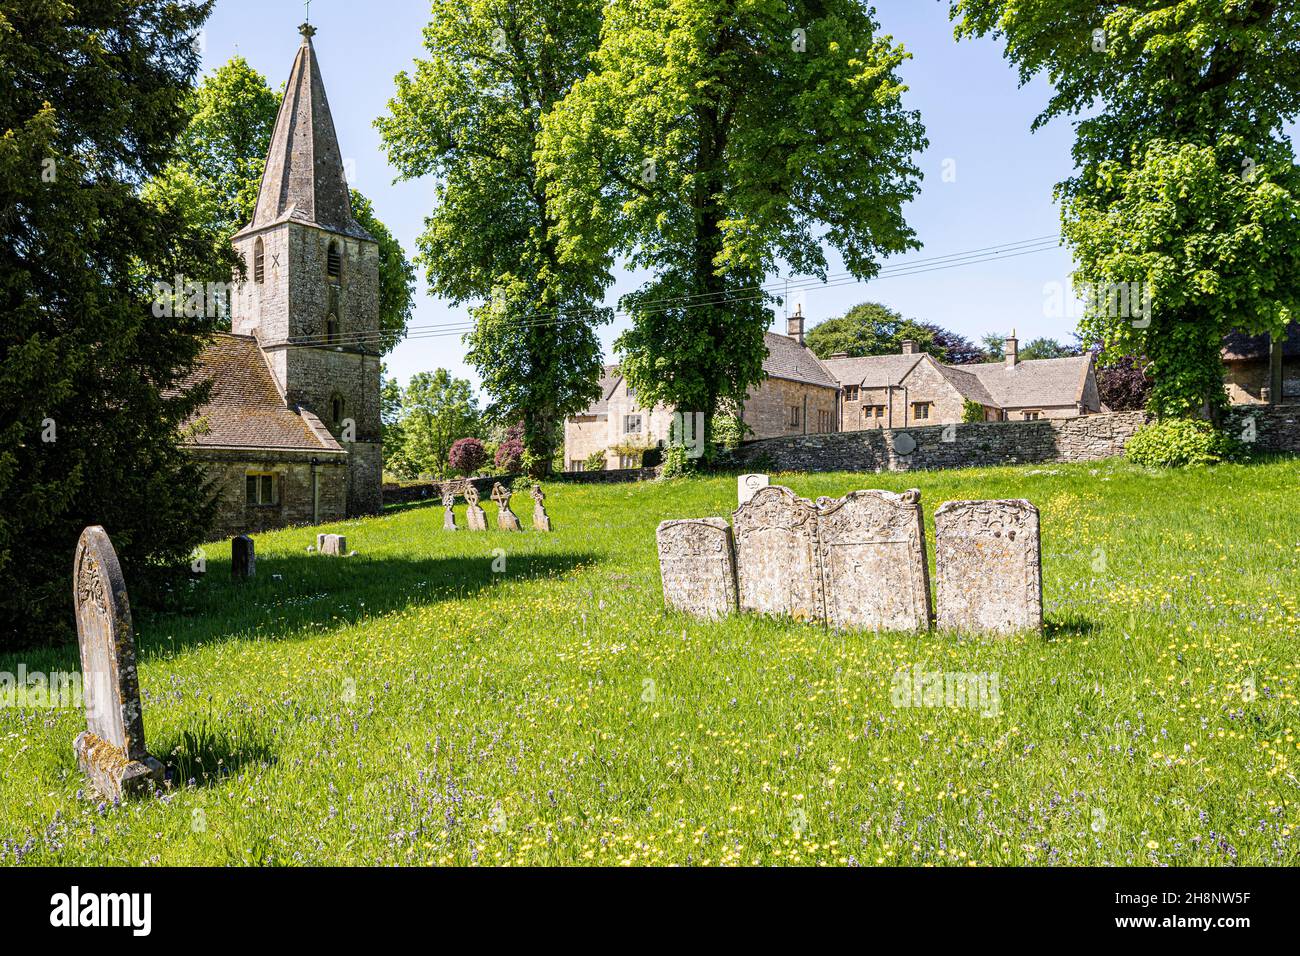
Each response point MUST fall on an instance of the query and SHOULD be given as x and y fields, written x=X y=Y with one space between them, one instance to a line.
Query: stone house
x=1260 y=371
x=291 y=431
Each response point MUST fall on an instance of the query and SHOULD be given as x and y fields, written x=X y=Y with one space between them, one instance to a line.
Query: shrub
x=595 y=461
x=972 y=412
x=510 y=453
x=728 y=432
x=1179 y=441
x=677 y=462
x=467 y=456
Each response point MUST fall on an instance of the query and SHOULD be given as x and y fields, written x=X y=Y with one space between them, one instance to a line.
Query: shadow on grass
x=206 y=754
x=291 y=593
x=1070 y=626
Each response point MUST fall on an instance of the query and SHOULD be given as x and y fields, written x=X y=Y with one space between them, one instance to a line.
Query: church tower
x=311 y=295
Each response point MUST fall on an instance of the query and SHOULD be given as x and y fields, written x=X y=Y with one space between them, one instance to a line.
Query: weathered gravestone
x=474 y=516
x=507 y=520
x=777 y=556
x=747 y=485
x=320 y=542
x=448 y=511
x=243 y=558
x=335 y=545
x=111 y=751
x=873 y=562
x=698 y=566
x=988 y=566
x=541 y=520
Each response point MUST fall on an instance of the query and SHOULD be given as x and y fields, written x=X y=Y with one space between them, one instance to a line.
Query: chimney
x=909 y=346
x=1011 y=351
x=794 y=324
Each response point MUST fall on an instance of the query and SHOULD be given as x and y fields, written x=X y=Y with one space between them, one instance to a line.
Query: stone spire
x=304 y=179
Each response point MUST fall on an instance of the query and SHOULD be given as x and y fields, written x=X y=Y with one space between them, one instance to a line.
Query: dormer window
x=333 y=260
x=259 y=261
x=332 y=329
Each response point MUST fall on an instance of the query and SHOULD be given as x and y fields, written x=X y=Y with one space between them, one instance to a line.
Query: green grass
x=412 y=706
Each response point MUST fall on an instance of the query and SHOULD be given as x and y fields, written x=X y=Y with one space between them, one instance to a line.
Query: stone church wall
x=294 y=505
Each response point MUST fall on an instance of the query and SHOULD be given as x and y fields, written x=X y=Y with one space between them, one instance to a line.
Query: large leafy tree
x=1185 y=183
x=89 y=413
x=871 y=328
x=713 y=142
x=470 y=116
x=437 y=409
x=217 y=168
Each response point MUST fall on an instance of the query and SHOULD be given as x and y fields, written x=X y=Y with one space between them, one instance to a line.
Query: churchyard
x=504 y=697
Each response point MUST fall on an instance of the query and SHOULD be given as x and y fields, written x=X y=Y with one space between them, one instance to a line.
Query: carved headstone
x=507 y=520
x=698 y=566
x=474 y=516
x=448 y=512
x=873 y=561
x=541 y=520
x=335 y=544
x=777 y=556
x=747 y=485
x=111 y=751
x=243 y=558
x=988 y=566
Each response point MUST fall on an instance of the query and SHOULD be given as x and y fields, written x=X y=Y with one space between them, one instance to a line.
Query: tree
x=217 y=168
x=89 y=408
x=437 y=409
x=392 y=432
x=1123 y=384
x=1185 y=190
x=470 y=117
x=1042 y=348
x=467 y=456
x=713 y=141
x=874 y=329
x=510 y=453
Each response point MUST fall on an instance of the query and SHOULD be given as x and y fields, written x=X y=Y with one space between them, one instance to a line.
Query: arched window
x=259 y=261
x=336 y=408
x=332 y=329
x=333 y=261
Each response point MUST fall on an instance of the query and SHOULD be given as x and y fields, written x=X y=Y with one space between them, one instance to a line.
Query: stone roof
x=245 y=408
x=872 y=371
x=1239 y=347
x=304 y=179
x=967 y=384
x=1057 y=381
x=786 y=358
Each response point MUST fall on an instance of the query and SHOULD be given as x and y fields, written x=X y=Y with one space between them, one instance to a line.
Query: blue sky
x=977 y=119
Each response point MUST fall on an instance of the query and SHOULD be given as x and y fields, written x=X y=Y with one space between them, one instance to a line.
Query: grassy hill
x=412 y=705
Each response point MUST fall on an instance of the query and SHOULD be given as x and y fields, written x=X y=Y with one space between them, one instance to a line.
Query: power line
x=539 y=318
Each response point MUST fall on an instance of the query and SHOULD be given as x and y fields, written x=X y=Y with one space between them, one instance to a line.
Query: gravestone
x=988 y=566
x=541 y=520
x=507 y=520
x=698 y=566
x=320 y=542
x=111 y=751
x=777 y=555
x=335 y=545
x=873 y=562
x=448 y=511
x=243 y=558
x=747 y=485
x=474 y=516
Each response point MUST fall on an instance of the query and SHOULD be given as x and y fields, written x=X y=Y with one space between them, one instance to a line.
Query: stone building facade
x=291 y=433
x=1260 y=371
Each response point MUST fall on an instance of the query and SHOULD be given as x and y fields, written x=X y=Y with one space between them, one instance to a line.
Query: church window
x=336 y=409
x=259 y=262
x=333 y=261
x=332 y=328
x=261 y=488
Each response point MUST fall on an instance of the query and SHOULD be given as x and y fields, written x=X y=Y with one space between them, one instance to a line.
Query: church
x=291 y=431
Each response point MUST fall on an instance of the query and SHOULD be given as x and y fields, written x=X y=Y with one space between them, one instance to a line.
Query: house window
x=332 y=328
x=631 y=424
x=629 y=461
x=850 y=393
x=577 y=465
x=261 y=488
x=1032 y=416
x=880 y=411
x=920 y=411
x=259 y=261
x=794 y=416
x=333 y=261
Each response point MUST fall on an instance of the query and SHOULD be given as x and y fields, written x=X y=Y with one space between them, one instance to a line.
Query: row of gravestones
x=243 y=553
x=858 y=561
x=476 y=518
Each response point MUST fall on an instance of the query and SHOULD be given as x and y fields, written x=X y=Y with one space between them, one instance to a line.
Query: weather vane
x=307 y=7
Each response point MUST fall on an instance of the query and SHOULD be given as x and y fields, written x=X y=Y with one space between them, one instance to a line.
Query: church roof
x=245 y=408
x=304 y=180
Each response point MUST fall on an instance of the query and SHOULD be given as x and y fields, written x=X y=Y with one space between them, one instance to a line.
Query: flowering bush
x=510 y=453
x=466 y=456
